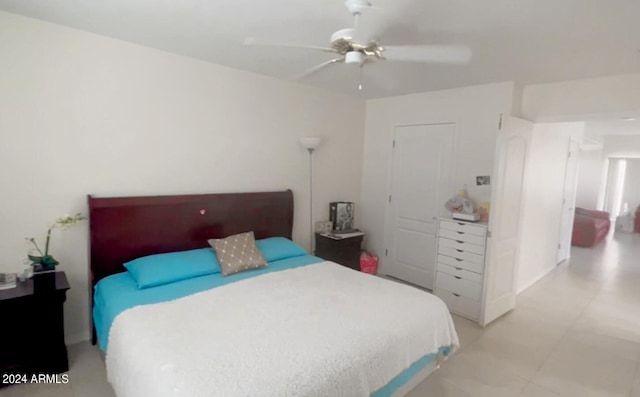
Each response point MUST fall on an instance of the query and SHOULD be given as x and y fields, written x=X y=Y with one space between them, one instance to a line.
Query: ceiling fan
x=359 y=47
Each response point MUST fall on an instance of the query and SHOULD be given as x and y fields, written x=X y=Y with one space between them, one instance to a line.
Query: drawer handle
x=459 y=241
x=458 y=268
x=460 y=223
x=458 y=277
x=459 y=250
x=458 y=259
x=455 y=294
x=460 y=232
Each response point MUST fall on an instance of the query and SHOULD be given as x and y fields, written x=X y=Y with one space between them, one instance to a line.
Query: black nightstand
x=344 y=251
x=32 y=331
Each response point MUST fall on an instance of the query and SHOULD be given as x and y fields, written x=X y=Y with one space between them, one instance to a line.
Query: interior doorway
x=614 y=188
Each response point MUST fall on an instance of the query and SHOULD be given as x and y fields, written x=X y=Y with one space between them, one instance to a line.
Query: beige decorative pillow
x=238 y=253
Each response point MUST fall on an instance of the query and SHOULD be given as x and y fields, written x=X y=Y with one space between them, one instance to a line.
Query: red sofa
x=589 y=227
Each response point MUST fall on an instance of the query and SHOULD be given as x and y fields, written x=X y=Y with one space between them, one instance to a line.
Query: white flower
x=61 y=223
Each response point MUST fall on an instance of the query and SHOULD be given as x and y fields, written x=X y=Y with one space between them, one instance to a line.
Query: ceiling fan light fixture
x=354 y=57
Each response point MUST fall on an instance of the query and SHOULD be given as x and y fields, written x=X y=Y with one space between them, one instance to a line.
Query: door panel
x=410 y=246
x=568 y=201
x=512 y=147
x=420 y=185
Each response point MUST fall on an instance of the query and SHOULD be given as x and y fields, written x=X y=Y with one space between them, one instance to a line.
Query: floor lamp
x=310 y=143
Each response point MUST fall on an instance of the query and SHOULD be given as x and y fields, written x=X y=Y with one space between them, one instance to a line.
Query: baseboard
x=535 y=279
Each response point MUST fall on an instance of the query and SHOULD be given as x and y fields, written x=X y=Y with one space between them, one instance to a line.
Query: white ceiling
x=528 y=41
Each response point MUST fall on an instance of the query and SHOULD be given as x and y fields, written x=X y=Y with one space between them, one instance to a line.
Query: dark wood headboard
x=125 y=228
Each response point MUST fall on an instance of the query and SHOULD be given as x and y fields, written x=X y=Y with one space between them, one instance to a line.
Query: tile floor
x=576 y=332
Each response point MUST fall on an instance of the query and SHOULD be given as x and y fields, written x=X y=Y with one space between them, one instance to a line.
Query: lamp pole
x=311 y=230
x=310 y=143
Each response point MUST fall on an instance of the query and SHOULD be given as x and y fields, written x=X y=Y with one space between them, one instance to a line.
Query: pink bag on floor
x=368 y=262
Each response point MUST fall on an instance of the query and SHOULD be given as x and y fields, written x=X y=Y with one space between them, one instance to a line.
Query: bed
x=301 y=326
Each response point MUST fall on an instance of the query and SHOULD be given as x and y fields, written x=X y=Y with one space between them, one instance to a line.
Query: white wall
x=589 y=178
x=621 y=146
x=542 y=203
x=82 y=113
x=612 y=95
x=475 y=110
x=631 y=194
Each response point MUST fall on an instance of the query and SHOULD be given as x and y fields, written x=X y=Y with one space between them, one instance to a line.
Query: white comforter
x=318 y=330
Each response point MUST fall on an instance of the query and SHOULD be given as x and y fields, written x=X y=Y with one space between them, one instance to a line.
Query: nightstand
x=32 y=331
x=345 y=251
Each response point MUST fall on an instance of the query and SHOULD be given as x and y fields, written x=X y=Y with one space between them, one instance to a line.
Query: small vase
x=43 y=263
x=43 y=268
x=44 y=282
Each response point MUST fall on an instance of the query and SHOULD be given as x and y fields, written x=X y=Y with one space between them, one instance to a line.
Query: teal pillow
x=276 y=248
x=159 y=269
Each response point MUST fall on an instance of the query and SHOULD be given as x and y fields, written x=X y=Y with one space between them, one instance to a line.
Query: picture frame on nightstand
x=341 y=213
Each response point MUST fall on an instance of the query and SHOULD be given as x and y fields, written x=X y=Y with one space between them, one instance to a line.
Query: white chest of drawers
x=460 y=261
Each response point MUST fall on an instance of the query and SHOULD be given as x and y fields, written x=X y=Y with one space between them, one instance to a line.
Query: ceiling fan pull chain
x=360 y=84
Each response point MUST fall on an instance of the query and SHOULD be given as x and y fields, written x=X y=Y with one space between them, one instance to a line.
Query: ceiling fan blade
x=379 y=77
x=254 y=42
x=316 y=68
x=428 y=53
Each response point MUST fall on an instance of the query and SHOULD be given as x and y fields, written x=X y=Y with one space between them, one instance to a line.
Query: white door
x=568 y=201
x=420 y=185
x=512 y=146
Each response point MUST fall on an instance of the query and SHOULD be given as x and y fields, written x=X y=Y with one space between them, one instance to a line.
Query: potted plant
x=43 y=261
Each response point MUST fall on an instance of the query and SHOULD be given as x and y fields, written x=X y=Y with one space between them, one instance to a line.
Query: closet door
x=420 y=185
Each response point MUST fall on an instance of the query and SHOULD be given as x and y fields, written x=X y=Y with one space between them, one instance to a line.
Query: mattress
x=118 y=293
